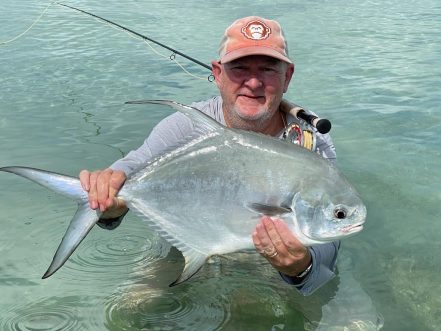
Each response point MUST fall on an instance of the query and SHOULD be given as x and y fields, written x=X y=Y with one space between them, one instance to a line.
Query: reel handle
x=322 y=125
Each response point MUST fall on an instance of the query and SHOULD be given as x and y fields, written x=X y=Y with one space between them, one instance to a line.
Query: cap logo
x=256 y=30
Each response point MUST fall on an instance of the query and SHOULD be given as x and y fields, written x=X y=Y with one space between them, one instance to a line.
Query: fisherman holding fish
x=252 y=74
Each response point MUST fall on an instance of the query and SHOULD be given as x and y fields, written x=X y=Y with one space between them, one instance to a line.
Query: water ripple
x=107 y=256
x=166 y=311
x=48 y=314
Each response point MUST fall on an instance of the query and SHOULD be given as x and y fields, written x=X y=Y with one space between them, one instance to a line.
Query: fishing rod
x=321 y=124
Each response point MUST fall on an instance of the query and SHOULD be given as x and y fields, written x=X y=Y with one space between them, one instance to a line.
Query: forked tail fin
x=84 y=219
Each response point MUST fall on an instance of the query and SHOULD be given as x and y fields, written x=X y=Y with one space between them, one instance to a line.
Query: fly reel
x=300 y=133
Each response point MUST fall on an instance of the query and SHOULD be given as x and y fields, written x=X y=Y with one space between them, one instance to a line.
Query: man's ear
x=288 y=75
x=216 y=69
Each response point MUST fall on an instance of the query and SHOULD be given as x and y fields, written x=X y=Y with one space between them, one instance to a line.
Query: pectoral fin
x=269 y=210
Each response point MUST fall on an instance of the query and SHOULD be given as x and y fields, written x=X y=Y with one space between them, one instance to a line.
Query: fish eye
x=340 y=213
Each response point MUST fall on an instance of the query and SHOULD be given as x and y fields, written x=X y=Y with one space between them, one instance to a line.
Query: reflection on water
x=372 y=68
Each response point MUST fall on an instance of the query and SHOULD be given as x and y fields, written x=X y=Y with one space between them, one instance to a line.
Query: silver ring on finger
x=269 y=251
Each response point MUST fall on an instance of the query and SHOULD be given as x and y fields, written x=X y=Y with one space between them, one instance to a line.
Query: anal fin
x=193 y=263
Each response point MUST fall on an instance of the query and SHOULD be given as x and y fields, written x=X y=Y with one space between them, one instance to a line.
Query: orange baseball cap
x=253 y=35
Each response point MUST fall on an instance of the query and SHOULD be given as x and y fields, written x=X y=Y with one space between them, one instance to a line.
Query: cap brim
x=255 y=50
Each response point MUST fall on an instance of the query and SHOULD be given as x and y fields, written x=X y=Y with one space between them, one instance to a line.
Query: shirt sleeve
x=324 y=258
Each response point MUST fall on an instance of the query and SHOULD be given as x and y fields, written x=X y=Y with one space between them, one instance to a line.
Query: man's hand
x=103 y=186
x=277 y=244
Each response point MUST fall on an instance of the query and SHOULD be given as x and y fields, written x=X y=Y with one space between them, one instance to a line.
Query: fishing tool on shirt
x=322 y=125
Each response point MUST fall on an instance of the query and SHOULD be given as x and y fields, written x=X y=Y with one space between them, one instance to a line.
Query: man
x=252 y=75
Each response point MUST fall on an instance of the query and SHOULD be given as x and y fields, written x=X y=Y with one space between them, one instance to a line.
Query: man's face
x=252 y=88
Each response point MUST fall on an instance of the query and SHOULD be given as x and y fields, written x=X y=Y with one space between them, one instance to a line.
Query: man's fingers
x=282 y=239
x=274 y=240
x=273 y=234
x=262 y=235
x=264 y=243
x=257 y=243
x=102 y=184
x=292 y=244
x=284 y=232
x=84 y=180
x=117 y=180
x=93 y=194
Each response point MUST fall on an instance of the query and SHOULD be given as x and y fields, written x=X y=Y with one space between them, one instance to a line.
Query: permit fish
x=206 y=194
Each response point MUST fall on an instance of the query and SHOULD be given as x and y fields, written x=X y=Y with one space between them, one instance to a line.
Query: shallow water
x=373 y=68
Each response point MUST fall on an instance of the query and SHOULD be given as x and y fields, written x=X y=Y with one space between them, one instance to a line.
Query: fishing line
x=30 y=27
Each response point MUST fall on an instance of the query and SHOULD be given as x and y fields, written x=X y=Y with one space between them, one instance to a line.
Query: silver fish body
x=206 y=195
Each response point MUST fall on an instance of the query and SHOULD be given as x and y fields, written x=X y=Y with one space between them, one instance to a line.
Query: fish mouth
x=353 y=228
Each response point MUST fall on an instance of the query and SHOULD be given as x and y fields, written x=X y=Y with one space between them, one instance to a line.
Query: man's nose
x=253 y=82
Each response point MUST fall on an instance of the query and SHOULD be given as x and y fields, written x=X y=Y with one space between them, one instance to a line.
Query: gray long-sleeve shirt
x=177 y=126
